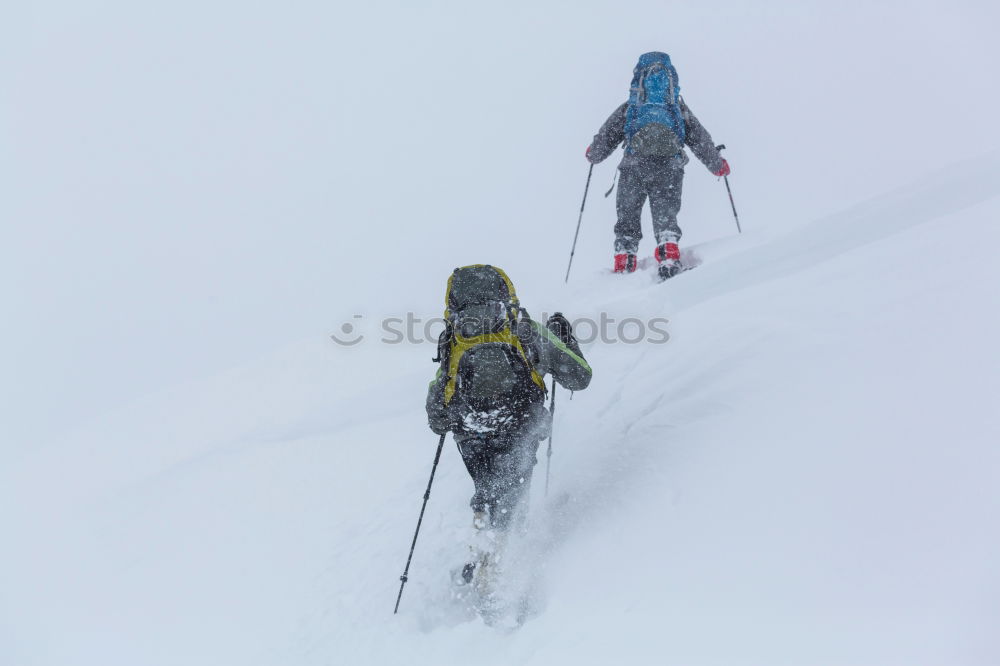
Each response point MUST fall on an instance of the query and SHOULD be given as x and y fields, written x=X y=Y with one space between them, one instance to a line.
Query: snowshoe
x=669 y=269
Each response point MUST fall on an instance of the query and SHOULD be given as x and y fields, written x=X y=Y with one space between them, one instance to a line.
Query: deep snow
x=806 y=472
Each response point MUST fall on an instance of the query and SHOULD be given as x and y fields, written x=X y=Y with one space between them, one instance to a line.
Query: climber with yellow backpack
x=489 y=392
x=489 y=389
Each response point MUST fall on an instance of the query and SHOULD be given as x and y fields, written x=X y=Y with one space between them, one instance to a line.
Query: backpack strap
x=461 y=345
x=444 y=343
x=451 y=347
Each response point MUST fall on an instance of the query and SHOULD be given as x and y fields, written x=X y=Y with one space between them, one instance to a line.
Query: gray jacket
x=697 y=138
x=548 y=354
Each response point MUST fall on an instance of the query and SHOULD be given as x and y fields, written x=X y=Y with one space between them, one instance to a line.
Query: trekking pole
x=427 y=496
x=548 y=454
x=577 y=234
x=726 y=178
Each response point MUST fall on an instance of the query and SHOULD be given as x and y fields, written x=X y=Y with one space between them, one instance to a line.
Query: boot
x=480 y=521
x=668 y=256
x=625 y=263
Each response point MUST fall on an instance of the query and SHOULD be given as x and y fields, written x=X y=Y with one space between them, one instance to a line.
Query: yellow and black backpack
x=486 y=366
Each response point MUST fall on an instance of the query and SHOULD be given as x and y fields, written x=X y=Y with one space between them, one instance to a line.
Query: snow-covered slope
x=807 y=472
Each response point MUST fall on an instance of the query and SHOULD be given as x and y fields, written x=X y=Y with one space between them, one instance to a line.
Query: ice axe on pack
x=720 y=148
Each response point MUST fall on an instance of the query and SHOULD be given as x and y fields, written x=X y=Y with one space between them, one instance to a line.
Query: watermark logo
x=349 y=333
x=413 y=329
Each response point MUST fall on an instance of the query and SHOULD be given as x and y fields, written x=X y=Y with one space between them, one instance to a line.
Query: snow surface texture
x=806 y=473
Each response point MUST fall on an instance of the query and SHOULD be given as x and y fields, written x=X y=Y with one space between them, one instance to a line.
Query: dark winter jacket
x=697 y=138
x=548 y=354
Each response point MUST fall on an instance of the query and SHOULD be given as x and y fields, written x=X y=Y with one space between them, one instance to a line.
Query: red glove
x=587 y=155
x=724 y=171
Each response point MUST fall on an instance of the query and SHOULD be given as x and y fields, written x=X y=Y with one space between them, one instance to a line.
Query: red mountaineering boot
x=669 y=257
x=625 y=263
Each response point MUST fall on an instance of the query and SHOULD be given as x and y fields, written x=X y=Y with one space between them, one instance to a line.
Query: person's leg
x=502 y=474
x=491 y=464
x=513 y=482
x=478 y=458
x=631 y=197
x=664 y=187
x=475 y=455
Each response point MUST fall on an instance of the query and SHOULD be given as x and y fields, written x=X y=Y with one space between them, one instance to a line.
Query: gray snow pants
x=501 y=472
x=662 y=184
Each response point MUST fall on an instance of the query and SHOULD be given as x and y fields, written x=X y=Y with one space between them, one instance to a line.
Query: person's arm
x=609 y=137
x=438 y=415
x=700 y=141
x=560 y=355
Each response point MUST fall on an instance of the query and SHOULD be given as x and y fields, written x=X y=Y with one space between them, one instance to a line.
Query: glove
x=587 y=155
x=444 y=420
x=455 y=422
x=724 y=171
x=559 y=325
x=542 y=420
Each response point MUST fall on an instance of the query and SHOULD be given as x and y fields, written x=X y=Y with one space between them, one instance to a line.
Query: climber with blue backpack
x=655 y=125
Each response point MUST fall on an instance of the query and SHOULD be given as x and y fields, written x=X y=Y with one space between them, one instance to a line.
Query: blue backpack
x=654 y=125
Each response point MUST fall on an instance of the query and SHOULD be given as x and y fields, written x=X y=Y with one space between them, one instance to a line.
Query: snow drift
x=806 y=472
